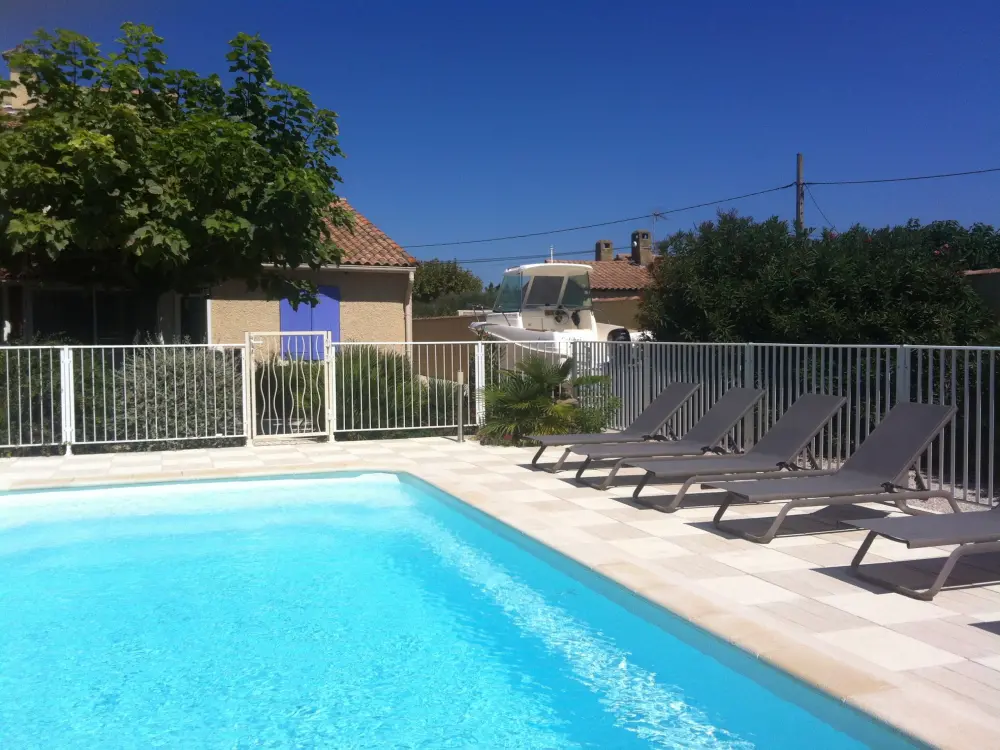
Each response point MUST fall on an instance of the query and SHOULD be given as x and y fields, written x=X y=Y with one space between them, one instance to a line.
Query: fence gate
x=289 y=379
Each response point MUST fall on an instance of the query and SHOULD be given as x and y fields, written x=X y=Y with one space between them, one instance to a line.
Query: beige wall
x=621 y=312
x=450 y=328
x=373 y=307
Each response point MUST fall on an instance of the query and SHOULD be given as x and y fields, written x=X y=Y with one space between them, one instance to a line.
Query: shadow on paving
x=823 y=521
x=919 y=574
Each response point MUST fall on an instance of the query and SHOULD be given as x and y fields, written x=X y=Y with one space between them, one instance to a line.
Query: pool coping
x=879 y=693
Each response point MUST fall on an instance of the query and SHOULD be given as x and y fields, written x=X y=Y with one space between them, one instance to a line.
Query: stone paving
x=930 y=668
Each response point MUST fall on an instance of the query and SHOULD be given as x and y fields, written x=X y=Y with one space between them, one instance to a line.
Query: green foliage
x=740 y=280
x=131 y=174
x=434 y=279
x=541 y=397
x=450 y=304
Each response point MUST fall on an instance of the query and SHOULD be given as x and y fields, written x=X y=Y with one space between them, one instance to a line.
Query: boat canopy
x=544 y=285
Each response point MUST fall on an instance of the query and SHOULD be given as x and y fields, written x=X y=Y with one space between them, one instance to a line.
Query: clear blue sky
x=475 y=119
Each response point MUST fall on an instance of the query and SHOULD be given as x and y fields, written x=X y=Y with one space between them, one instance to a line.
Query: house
x=368 y=297
x=617 y=281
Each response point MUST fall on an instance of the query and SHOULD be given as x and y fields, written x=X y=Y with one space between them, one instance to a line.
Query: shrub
x=540 y=397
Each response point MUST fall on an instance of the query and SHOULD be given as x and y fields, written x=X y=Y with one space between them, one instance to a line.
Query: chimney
x=18 y=98
x=604 y=250
x=642 y=247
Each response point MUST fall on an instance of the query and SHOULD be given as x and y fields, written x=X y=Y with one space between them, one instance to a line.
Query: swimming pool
x=355 y=611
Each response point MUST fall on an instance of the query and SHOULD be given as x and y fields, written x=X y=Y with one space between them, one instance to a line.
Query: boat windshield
x=519 y=291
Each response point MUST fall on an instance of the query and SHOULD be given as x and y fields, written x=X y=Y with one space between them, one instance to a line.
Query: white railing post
x=902 y=373
x=248 y=387
x=480 y=375
x=329 y=356
x=67 y=398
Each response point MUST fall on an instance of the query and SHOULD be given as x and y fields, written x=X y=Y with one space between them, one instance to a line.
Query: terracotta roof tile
x=614 y=275
x=368 y=245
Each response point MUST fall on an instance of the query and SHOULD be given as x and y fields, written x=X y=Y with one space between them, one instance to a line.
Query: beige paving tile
x=889 y=649
x=814 y=616
x=887 y=608
x=616 y=530
x=993 y=662
x=760 y=559
x=696 y=567
x=746 y=589
x=953 y=634
x=649 y=547
x=665 y=527
x=580 y=517
x=812 y=583
x=637 y=577
x=704 y=543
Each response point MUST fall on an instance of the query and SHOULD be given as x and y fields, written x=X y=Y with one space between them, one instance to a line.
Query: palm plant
x=541 y=397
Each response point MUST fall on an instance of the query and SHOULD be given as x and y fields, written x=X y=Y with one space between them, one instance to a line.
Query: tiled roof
x=615 y=275
x=368 y=245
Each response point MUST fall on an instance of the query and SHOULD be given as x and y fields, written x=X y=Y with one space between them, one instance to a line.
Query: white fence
x=301 y=384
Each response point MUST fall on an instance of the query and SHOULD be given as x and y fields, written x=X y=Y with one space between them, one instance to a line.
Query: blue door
x=324 y=316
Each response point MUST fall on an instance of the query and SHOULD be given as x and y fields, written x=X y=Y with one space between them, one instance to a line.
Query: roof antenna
x=552 y=253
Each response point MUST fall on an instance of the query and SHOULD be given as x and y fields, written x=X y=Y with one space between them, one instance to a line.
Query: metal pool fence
x=302 y=384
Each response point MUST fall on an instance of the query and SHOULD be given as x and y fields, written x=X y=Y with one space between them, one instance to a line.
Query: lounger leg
x=586 y=463
x=606 y=482
x=939 y=581
x=772 y=530
x=675 y=503
x=723 y=507
x=534 y=461
x=562 y=459
x=863 y=550
x=642 y=483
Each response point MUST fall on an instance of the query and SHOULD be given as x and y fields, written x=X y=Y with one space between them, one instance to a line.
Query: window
x=509 y=298
x=63 y=314
x=194 y=319
x=577 y=294
x=124 y=317
x=544 y=290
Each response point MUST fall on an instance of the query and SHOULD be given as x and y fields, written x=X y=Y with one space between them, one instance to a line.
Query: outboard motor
x=619 y=334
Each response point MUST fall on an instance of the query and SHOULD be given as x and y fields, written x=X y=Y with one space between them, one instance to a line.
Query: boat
x=545 y=308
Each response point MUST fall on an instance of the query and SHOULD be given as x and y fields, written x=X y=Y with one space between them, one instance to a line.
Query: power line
x=825 y=218
x=906 y=179
x=535 y=256
x=599 y=224
x=659 y=214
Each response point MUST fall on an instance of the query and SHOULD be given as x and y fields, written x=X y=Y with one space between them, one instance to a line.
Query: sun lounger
x=877 y=472
x=704 y=437
x=975 y=533
x=773 y=454
x=644 y=427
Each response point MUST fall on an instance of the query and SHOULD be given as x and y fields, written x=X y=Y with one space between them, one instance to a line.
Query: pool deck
x=930 y=668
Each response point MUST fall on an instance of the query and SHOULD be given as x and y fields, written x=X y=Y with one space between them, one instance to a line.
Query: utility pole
x=800 y=196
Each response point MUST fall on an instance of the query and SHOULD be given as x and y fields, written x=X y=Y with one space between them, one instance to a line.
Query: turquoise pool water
x=354 y=612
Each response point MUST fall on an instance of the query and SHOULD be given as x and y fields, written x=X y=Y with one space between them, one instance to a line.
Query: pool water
x=364 y=611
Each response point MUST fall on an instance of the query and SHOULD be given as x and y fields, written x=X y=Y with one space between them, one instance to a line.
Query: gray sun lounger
x=644 y=427
x=874 y=473
x=975 y=533
x=704 y=437
x=774 y=453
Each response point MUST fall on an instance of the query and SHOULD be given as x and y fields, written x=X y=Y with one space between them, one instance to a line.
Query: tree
x=739 y=280
x=130 y=174
x=436 y=278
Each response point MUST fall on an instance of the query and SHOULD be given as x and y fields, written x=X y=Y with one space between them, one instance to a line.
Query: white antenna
x=552 y=253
